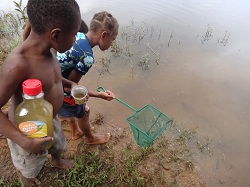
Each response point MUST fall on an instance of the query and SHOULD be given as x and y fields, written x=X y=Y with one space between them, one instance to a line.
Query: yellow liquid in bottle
x=34 y=117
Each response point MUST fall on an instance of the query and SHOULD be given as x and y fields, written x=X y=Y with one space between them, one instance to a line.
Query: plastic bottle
x=34 y=115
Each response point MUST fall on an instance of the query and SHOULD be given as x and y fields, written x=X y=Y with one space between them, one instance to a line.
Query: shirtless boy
x=54 y=24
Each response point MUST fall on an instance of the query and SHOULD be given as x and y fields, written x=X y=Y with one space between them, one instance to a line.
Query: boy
x=54 y=24
x=75 y=63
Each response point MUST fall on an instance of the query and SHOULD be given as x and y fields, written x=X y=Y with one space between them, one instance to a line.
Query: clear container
x=79 y=93
x=34 y=116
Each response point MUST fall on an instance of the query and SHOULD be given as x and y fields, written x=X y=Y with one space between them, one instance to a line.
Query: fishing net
x=147 y=124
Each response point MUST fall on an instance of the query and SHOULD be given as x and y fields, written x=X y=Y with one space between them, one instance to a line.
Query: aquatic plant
x=132 y=45
x=224 y=39
x=208 y=35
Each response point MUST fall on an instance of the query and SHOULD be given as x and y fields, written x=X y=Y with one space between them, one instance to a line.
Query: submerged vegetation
x=139 y=45
x=134 y=47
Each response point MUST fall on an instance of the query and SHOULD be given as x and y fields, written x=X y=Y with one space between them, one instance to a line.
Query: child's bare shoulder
x=14 y=64
x=13 y=72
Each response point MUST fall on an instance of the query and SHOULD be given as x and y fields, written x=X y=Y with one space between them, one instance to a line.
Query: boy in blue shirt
x=75 y=63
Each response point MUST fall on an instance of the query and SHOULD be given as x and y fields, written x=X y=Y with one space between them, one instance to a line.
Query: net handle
x=100 y=88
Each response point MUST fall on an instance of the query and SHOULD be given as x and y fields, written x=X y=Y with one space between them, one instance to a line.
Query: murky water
x=190 y=60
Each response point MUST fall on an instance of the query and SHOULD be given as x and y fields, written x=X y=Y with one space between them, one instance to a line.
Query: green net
x=147 y=124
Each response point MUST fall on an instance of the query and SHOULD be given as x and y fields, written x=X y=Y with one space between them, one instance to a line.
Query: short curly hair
x=46 y=14
x=104 y=21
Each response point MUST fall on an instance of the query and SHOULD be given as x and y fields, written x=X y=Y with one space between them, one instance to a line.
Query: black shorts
x=69 y=110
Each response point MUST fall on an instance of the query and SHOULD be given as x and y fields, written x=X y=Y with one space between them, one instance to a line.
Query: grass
x=10 y=29
x=9 y=36
x=89 y=170
x=165 y=163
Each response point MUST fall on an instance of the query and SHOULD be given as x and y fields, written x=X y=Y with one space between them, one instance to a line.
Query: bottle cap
x=32 y=87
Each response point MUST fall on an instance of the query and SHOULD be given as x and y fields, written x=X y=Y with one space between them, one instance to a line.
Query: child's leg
x=72 y=122
x=58 y=147
x=27 y=182
x=89 y=138
x=75 y=129
x=76 y=132
x=58 y=162
x=73 y=111
x=27 y=165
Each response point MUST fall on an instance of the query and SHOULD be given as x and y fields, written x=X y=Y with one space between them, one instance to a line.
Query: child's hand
x=68 y=90
x=108 y=95
x=36 y=145
x=73 y=84
x=86 y=98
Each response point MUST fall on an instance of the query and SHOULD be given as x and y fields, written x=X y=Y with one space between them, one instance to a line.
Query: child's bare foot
x=97 y=139
x=29 y=182
x=61 y=163
x=77 y=135
x=61 y=119
x=2 y=136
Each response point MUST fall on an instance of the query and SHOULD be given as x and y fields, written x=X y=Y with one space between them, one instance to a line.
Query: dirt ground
x=171 y=165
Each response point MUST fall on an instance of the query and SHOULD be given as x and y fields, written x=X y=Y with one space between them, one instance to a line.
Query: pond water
x=189 y=59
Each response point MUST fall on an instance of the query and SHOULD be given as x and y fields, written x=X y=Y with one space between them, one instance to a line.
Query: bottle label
x=33 y=129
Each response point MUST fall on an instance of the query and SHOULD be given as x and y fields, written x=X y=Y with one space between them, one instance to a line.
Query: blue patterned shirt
x=79 y=57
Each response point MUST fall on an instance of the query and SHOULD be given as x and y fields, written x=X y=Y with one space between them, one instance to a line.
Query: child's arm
x=107 y=95
x=36 y=145
x=11 y=76
x=68 y=84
